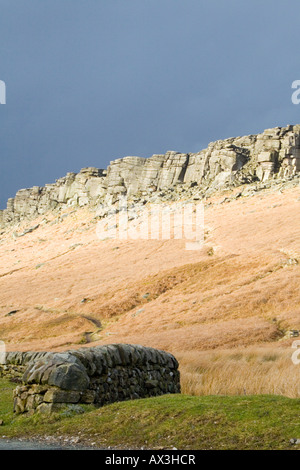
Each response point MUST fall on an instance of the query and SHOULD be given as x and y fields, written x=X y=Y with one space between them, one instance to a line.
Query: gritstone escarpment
x=274 y=154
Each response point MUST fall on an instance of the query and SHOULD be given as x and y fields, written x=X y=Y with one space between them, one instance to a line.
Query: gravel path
x=18 y=444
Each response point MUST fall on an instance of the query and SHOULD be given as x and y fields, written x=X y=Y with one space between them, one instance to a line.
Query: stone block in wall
x=55 y=395
x=48 y=408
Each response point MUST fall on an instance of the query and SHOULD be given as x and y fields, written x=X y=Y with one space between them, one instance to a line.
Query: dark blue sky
x=89 y=81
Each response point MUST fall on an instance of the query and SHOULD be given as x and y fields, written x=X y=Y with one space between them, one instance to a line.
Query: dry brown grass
x=243 y=371
x=223 y=311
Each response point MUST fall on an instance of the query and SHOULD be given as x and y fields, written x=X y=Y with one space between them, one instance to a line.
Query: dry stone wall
x=275 y=153
x=97 y=375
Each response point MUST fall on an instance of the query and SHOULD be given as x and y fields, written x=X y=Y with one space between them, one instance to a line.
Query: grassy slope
x=241 y=289
x=186 y=422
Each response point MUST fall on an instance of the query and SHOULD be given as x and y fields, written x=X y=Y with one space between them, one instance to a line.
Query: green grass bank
x=180 y=421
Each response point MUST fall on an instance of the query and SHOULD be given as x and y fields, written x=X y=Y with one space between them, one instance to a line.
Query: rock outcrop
x=273 y=154
x=98 y=375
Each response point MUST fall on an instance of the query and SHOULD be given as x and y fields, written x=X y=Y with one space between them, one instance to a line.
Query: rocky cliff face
x=273 y=154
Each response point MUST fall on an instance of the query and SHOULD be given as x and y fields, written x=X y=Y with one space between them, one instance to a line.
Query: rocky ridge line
x=271 y=156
